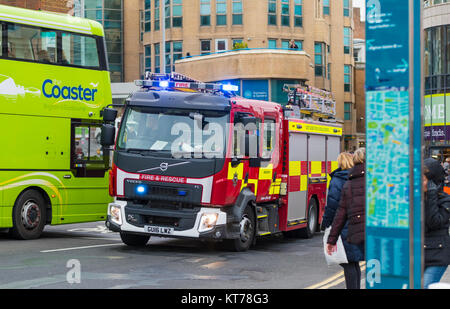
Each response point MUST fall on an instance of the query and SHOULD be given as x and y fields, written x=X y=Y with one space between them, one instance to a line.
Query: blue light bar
x=229 y=87
x=182 y=193
x=164 y=84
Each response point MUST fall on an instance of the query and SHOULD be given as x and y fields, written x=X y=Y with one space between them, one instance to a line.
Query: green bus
x=54 y=84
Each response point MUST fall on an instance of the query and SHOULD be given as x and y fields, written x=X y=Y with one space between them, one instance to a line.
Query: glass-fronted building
x=437 y=78
x=110 y=14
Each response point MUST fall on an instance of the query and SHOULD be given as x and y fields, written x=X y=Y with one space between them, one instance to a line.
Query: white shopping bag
x=337 y=257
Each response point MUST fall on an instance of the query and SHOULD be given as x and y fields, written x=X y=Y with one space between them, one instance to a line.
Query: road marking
x=333 y=280
x=335 y=277
x=80 y=248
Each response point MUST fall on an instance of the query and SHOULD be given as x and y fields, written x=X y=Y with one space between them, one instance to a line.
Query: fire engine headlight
x=116 y=214
x=207 y=222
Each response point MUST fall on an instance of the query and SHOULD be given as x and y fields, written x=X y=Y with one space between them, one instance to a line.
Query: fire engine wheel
x=247 y=231
x=29 y=216
x=133 y=240
x=311 y=227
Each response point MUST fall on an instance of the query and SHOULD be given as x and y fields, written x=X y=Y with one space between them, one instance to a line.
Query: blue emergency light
x=141 y=189
x=229 y=87
x=164 y=84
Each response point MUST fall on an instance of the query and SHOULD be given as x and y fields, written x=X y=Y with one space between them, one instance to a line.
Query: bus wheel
x=29 y=216
x=247 y=232
x=311 y=227
x=133 y=240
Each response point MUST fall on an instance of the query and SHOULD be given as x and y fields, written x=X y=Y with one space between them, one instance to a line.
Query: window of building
x=326 y=7
x=157 y=58
x=157 y=14
x=298 y=14
x=285 y=13
x=347 y=39
x=318 y=58
x=167 y=13
x=147 y=58
x=272 y=43
x=205 y=13
x=347 y=111
x=221 y=12
x=347 y=8
x=205 y=47
x=272 y=12
x=237 y=12
x=237 y=42
x=147 y=16
x=347 y=78
x=221 y=45
x=173 y=52
x=177 y=13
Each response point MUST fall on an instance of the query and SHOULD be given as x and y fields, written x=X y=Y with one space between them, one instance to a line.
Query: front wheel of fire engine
x=133 y=240
x=29 y=216
x=247 y=231
x=311 y=227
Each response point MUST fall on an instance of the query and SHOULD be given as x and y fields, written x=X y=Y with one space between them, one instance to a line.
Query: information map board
x=392 y=157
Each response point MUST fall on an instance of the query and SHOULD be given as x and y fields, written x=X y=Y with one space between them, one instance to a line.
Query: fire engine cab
x=193 y=160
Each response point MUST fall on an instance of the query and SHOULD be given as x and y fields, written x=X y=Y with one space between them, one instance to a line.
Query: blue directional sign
x=393 y=133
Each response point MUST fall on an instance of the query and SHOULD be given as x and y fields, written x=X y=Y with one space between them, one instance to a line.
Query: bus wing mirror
x=108 y=135
x=109 y=114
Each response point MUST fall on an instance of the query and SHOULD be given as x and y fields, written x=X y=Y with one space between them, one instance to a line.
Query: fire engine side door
x=298 y=176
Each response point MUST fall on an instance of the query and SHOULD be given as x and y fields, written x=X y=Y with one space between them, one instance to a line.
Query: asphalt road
x=105 y=262
x=86 y=256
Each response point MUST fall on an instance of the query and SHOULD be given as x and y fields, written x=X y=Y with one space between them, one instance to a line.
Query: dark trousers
x=352 y=274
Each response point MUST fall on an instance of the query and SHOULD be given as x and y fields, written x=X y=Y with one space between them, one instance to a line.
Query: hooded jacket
x=437 y=217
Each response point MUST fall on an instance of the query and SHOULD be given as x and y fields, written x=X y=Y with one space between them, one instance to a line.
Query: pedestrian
x=352 y=206
x=437 y=216
x=293 y=45
x=338 y=179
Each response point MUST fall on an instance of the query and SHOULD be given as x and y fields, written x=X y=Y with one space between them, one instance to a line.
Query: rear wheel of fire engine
x=133 y=240
x=247 y=232
x=311 y=227
x=29 y=216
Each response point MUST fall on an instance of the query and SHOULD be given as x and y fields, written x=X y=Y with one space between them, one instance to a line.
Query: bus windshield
x=178 y=132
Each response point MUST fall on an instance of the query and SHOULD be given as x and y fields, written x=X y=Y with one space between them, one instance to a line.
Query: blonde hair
x=345 y=160
x=359 y=156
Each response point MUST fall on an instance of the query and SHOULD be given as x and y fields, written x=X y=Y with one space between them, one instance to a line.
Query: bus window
x=29 y=43
x=87 y=153
x=79 y=50
x=1 y=40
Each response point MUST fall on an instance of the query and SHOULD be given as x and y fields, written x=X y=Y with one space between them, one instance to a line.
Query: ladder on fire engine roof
x=179 y=82
x=312 y=102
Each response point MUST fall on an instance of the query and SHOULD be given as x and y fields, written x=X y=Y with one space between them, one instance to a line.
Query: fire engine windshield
x=175 y=132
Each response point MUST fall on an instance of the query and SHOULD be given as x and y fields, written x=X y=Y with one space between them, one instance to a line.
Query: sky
x=360 y=4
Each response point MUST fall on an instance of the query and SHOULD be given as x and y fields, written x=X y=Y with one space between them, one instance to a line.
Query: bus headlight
x=116 y=214
x=207 y=222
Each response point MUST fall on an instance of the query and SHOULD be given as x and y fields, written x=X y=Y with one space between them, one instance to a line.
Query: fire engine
x=194 y=160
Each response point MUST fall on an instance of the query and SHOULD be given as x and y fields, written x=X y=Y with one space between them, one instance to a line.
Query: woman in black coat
x=437 y=216
x=351 y=214
x=338 y=178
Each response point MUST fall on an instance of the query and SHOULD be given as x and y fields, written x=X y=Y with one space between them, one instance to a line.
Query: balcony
x=248 y=63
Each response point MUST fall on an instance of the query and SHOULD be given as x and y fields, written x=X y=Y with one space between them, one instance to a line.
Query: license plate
x=159 y=230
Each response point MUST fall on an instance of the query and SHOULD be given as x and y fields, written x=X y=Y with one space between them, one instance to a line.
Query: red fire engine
x=262 y=170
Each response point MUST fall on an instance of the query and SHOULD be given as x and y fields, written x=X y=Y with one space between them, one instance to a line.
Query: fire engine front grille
x=164 y=221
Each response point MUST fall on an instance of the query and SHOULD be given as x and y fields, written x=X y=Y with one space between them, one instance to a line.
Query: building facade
x=359 y=51
x=437 y=77
x=60 y=6
x=247 y=43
